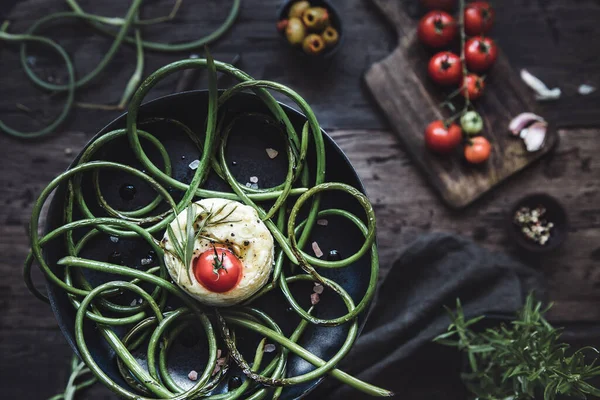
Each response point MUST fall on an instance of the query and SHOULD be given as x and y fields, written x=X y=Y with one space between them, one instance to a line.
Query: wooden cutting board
x=401 y=87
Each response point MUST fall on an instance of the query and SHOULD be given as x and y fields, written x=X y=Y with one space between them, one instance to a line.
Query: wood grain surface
x=545 y=36
x=405 y=207
x=410 y=100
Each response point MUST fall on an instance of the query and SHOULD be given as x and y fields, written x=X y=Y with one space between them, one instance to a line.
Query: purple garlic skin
x=519 y=122
x=534 y=136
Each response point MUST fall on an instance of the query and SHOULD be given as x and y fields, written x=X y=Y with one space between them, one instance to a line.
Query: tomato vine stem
x=463 y=84
x=463 y=38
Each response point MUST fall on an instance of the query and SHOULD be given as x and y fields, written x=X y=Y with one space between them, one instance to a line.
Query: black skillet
x=247 y=155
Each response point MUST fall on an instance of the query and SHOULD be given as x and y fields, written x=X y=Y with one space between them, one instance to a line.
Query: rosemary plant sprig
x=189 y=240
x=521 y=360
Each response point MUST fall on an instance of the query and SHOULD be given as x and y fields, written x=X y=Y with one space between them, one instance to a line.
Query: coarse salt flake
x=269 y=348
x=114 y=239
x=317 y=249
x=146 y=261
x=318 y=288
x=322 y=222
x=254 y=179
x=194 y=164
x=314 y=298
x=193 y=375
x=272 y=153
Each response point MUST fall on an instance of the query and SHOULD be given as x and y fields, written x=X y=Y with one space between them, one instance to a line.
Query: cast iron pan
x=246 y=153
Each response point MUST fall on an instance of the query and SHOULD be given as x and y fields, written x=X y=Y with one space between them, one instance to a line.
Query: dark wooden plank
x=406 y=95
x=405 y=208
x=525 y=31
x=554 y=39
x=548 y=37
x=333 y=88
x=34 y=354
x=35 y=365
x=31 y=342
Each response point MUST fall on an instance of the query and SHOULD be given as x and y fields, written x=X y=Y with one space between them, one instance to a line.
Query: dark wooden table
x=553 y=38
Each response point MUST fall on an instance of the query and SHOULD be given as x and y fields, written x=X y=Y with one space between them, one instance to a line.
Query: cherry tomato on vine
x=473 y=85
x=478 y=150
x=471 y=123
x=437 y=29
x=446 y=5
x=442 y=139
x=218 y=269
x=479 y=18
x=445 y=68
x=480 y=53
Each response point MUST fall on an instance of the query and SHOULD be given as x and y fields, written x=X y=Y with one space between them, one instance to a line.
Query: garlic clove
x=586 y=89
x=553 y=94
x=535 y=136
x=521 y=121
x=542 y=91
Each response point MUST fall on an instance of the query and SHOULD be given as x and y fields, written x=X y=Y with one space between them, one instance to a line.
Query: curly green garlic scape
x=150 y=325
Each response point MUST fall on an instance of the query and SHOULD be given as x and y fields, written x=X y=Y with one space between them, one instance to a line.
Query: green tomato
x=471 y=122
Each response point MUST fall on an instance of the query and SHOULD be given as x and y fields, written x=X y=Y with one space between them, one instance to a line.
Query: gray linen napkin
x=395 y=349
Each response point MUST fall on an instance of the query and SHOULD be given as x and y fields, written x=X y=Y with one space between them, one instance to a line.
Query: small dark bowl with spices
x=538 y=223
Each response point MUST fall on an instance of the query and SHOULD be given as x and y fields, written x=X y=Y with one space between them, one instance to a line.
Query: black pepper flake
x=232 y=234
x=231 y=225
x=246 y=243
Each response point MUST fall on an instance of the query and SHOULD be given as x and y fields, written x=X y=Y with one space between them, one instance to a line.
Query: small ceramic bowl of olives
x=313 y=27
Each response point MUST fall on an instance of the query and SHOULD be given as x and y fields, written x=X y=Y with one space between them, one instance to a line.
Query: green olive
x=315 y=18
x=313 y=44
x=330 y=36
x=295 y=32
x=471 y=123
x=298 y=8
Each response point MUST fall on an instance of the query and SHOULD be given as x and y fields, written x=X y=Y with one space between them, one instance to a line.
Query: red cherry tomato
x=479 y=18
x=442 y=139
x=478 y=150
x=446 y=5
x=218 y=269
x=473 y=85
x=437 y=29
x=480 y=53
x=445 y=68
